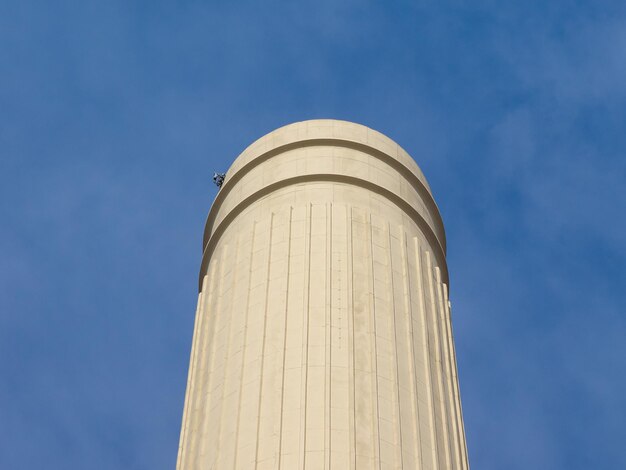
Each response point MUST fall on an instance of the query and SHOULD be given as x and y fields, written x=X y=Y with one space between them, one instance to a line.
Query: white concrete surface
x=323 y=336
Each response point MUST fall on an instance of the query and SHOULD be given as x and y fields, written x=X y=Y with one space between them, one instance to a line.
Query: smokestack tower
x=323 y=337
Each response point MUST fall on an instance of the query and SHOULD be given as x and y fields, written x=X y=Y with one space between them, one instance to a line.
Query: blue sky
x=114 y=115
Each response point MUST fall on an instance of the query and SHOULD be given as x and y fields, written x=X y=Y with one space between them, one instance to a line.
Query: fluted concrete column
x=322 y=336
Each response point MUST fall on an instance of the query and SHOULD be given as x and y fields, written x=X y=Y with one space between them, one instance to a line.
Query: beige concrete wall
x=323 y=335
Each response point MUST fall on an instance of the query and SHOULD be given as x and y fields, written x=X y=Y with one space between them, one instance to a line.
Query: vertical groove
x=450 y=406
x=417 y=450
x=438 y=363
x=200 y=356
x=426 y=353
x=227 y=358
x=292 y=417
x=316 y=392
x=282 y=387
x=206 y=336
x=376 y=403
x=339 y=340
x=398 y=427
x=351 y=366
x=365 y=396
x=305 y=339
x=328 y=306
x=263 y=352
x=218 y=314
x=190 y=375
x=455 y=379
x=244 y=347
